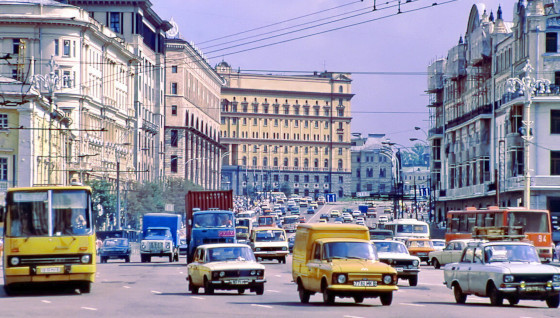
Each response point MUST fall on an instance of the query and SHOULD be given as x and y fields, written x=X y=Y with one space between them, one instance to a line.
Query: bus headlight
x=85 y=259
x=14 y=261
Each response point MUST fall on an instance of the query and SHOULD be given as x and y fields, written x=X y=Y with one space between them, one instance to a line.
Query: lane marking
x=264 y=306
x=427 y=284
x=415 y=305
x=196 y=297
x=89 y=308
x=156 y=292
x=180 y=272
x=46 y=301
x=126 y=286
x=278 y=275
x=272 y=291
x=347 y=316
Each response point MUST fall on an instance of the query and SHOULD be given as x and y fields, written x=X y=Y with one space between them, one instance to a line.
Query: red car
x=301 y=219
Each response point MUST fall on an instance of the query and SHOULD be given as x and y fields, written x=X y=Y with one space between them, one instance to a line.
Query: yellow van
x=339 y=260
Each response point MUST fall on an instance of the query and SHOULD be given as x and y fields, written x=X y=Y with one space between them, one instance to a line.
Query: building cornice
x=254 y=91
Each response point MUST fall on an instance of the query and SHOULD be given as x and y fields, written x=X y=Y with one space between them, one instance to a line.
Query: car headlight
x=284 y=248
x=14 y=261
x=556 y=278
x=508 y=278
x=143 y=246
x=341 y=279
x=253 y=273
x=257 y=249
x=167 y=245
x=85 y=259
x=222 y=274
x=415 y=263
x=387 y=279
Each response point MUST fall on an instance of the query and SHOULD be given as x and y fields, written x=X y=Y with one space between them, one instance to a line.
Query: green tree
x=104 y=201
x=285 y=187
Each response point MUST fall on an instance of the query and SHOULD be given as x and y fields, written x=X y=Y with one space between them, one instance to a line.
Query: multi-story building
x=192 y=127
x=371 y=167
x=136 y=24
x=286 y=133
x=478 y=127
x=76 y=122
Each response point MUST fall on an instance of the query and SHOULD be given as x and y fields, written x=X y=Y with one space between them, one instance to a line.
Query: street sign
x=330 y=197
x=169 y=207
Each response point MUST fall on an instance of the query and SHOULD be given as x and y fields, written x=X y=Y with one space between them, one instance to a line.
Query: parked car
x=394 y=253
x=225 y=266
x=115 y=248
x=503 y=270
x=450 y=254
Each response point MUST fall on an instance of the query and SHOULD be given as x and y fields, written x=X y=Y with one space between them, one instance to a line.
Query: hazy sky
x=395 y=49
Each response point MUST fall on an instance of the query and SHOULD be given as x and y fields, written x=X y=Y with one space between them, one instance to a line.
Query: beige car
x=227 y=267
x=450 y=254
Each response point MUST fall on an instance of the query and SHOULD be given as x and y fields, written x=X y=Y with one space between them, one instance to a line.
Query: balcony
x=483 y=110
x=149 y=127
x=473 y=191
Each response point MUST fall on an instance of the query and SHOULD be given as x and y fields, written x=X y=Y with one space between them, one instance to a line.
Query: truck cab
x=339 y=260
x=160 y=236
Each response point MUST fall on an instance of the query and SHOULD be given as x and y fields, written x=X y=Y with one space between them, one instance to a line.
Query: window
x=341 y=112
x=326 y=179
x=66 y=79
x=555 y=163
x=56 y=48
x=286 y=178
x=174 y=110
x=66 y=48
x=316 y=178
x=15 y=46
x=340 y=179
x=306 y=178
x=174 y=162
x=174 y=88
x=174 y=69
x=551 y=42
x=174 y=138
x=115 y=21
x=296 y=178
x=3 y=121
x=555 y=121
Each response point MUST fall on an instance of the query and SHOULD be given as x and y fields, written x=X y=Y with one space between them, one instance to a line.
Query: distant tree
x=104 y=200
x=285 y=187
x=415 y=156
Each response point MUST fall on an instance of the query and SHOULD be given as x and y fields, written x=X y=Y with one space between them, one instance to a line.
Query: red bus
x=535 y=224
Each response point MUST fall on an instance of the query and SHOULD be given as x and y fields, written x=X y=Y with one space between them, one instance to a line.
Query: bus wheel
x=85 y=288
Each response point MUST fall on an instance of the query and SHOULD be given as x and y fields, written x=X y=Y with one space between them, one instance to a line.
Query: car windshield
x=213 y=220
x=510 y=253
x=115 y=242
x=390 y=247
x=345 y=250
x=270 y=236
x=222 y=254
x=412 y=228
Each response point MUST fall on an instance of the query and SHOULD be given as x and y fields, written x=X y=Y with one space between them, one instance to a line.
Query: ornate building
x=371 y=168
x=192 y=128
x=286 y=133
x=492 y=145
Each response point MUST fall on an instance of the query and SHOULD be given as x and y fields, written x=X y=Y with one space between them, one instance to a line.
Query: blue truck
x=209 y=219
x=160 y=236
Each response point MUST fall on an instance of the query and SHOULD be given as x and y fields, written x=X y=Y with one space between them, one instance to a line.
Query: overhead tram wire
x=280 y=22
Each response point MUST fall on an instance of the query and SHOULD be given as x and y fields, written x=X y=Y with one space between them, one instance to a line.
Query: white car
x=396 y=254
x=356 y=213
x=347 y=217
x=360 y=219
x=382 y=219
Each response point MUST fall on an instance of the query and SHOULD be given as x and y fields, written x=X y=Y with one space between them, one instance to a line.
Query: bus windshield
x=531 y=221
x=30 y=213
x=412 y=228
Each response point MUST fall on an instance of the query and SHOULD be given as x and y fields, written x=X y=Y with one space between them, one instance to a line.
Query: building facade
x=61 y=57
x=286 y=133
x=371 y=166
x=481 y=153
x=192 y=128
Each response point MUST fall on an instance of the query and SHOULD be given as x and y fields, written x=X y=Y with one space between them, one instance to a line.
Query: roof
x=43 y=2
x=340 y=239
x=267 y=228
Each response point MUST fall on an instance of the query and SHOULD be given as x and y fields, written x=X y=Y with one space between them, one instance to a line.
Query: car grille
x=396 y=262
x=532 y=278
x=49 y=260
x=155 y=246
x=214 y=240
x=361 y=276
x=267 y=249
x=238 y=273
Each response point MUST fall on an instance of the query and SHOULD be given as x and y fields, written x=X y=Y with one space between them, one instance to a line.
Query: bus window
x=471 y=221
x=499 y=219
x=480 y=219
x=454 y=225
x=463 y=225
x=28 y=214
x=531 y=221
x=489 y=219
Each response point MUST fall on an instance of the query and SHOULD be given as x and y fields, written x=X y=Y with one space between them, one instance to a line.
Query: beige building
x=287 y=133
x=478 y=126
x=192 y=124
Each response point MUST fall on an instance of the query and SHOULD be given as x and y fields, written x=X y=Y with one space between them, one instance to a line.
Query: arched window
x=265 y=161
x=285 y=162
x=275 y=161
x=341 y=89
x=254 y=161
x=316 y=163
x=339 y=163
x=306 y=163
x=296 y=162
x=326 y=163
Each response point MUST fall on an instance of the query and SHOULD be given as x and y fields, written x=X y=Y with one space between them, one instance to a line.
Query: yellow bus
x=49 y=238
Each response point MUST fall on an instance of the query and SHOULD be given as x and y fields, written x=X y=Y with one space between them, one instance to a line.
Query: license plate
x=399 y=269
x=365 y=283
x=238 y=282
x=534 y=288
x=50 y=270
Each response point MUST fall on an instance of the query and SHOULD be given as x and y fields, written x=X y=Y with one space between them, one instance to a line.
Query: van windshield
x=346 y=250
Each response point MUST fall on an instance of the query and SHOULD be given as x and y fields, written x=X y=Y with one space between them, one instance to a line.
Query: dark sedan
x=115 y=248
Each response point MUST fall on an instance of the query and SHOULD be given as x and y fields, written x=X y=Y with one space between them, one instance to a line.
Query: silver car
x=396 y=254
x=503 y=270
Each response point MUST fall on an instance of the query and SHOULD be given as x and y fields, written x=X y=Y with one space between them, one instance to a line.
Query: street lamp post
x=396 y=163
x=527 y=86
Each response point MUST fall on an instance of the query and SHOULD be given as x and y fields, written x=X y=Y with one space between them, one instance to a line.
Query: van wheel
x=328 y=297
x=304 y=295
x=386 y=299
x=127 y=259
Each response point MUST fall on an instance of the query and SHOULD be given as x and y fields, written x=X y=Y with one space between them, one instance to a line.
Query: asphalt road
x=159 y=289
